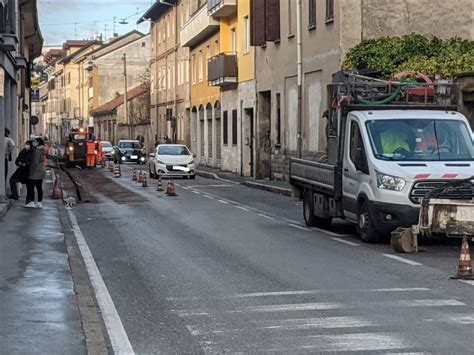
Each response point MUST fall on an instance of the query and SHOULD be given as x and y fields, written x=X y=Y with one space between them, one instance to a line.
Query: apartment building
x=170 y=90
x=201 y=35
x=329 y=28
x=232 y=70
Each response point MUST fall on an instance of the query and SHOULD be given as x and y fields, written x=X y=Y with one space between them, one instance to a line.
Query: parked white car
x=172 y=160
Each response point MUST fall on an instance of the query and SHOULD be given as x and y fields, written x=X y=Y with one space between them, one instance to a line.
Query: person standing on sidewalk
x=9 y=146
x=23 y=162
x=36 y=176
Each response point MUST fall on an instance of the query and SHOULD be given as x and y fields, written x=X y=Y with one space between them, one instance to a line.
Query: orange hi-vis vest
x=90 y=148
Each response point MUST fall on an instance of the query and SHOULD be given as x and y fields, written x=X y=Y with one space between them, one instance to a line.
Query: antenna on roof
x=123 y=22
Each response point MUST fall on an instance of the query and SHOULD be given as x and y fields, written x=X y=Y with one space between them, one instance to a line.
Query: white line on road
x=224 y=202
x=184 y=188
x=242 y=208
x=346 y=242
x=469 y=282
x=294 y=307
x=299 y=227
x=402 y=260
x=265 y=216
x=115 y=330
x=329 y=232
x=425 y=303
x=196 y=192
x=312 y=292
x=207 y=196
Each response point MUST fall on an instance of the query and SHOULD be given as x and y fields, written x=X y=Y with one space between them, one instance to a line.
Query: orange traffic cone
x=111 y=166
x=465 y=264
x=139 y=176
x=117 y=171
x=144 y=180
x=134 y=175
x=170 y=188
x=56 y=190
x=159 y=187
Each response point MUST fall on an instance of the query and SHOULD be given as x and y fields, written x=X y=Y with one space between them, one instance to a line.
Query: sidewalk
x=279 y=187
x=39 y=310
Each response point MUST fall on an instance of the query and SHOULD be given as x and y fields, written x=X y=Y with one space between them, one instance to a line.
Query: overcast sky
x=59 y=18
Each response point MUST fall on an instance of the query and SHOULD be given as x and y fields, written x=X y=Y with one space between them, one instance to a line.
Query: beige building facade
x=169 y=71
x=328 y=30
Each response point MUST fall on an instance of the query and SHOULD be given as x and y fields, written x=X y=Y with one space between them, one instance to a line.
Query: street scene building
x=236 y=176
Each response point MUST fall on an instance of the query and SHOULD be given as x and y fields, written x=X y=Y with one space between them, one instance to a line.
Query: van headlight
x=389 y=182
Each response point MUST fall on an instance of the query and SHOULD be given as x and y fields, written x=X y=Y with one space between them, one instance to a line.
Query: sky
x=61 y=20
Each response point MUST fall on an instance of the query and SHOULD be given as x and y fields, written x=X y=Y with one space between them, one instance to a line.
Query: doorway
x=248 y=147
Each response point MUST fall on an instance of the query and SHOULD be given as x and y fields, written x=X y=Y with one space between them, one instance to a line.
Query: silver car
x=172 y=160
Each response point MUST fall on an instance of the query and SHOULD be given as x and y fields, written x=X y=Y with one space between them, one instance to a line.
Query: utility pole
x=299 y=66
x=105 y=33
x=75 y=30
x=125 y=96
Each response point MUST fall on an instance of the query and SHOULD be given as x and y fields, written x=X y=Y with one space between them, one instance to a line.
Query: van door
x=353 y=177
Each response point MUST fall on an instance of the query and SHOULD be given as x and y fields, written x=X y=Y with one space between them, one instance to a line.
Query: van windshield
x=421 y=140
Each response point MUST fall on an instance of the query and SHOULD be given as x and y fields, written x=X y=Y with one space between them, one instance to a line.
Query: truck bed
x=311 y=174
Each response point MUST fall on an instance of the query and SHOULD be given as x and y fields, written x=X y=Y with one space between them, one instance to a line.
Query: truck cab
x=384 y=155
x=392 y=158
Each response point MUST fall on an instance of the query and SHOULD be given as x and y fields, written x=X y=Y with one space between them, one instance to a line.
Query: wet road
x=227 y=268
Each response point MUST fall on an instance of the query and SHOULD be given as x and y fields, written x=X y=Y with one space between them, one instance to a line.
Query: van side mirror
x=360 y=162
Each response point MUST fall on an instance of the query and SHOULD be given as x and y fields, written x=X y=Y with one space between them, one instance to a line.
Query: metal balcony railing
x=221 y=8
x=222 y=69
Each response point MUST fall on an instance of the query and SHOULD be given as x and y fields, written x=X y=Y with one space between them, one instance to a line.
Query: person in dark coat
x=36 y=176
x=23 y=162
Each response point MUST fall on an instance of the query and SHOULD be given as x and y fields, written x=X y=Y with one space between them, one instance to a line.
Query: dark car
x=129 y=151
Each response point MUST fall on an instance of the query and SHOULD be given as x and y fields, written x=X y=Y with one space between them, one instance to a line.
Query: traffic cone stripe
x=465 y=265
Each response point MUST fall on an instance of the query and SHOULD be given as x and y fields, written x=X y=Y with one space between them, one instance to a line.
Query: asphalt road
x=227 y=268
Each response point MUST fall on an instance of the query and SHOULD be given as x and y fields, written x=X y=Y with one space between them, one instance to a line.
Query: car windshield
x=79 y=136
x=420 y=140
x=106 y=144
x=173 y=150
x=129 y=145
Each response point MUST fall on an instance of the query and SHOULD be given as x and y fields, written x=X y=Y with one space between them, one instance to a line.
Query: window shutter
x=257 y=24
x=272 y=15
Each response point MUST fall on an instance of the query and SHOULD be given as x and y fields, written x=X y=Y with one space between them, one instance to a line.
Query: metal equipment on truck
x=390 y=143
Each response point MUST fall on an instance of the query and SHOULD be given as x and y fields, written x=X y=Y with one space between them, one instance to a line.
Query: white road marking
x=403 y=260
x=363 y=342
x=425 y=303
x=224 y=202
x=207 y=196
x=221 y=185
x=196 y=192
x=469 y=282
x=184 y=188
x=115 y=330
x=345 y=242
x=299 y=227
x=312 y=292
x=291 y=307
x=265 y=216
x=334 y=234
x=242 y=208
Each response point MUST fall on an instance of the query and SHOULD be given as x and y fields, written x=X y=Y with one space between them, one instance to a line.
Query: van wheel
x=365 y=225
x=308 y=212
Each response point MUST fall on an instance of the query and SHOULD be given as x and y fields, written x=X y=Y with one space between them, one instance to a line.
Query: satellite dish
x=123 y=22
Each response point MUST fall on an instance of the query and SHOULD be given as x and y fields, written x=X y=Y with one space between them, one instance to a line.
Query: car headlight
x=142 y=158
x=389 y=182
x=160 y=162
x=123 y=158
x=71 y=149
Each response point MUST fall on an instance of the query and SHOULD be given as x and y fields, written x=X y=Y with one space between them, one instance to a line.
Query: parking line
x=346 y=242
x=196 y=192
x=242 y=208
x=207 y=196
x=224 y=202
x=403 y=260
x=329 y=232
x=299 y=227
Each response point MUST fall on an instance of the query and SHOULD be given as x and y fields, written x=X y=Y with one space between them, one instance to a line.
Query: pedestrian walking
x=9 y=146
x=91 y=153
x=21 y=175
x=36 y=176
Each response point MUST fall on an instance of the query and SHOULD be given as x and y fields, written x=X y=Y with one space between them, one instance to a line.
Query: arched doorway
x=194 y=132
x=201 y=133
x=209 y=131
x=217 y=118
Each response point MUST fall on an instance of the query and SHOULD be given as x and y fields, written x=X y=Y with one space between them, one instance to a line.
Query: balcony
x=222 y=70
x=197 y=28
x=221 y=8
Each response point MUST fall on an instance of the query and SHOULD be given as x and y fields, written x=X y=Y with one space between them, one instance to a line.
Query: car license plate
x=134 y=157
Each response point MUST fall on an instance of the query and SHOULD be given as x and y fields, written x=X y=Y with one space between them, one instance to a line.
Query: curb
x=4 y=207
x=274 y=189
x=255 y=185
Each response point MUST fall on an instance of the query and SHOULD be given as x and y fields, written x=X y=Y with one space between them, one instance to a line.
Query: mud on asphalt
x=91 y=184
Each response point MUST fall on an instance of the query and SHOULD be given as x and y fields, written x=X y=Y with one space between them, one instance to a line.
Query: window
x=193 y=68
x=225 y=129
x=232 y=40
x=200 y=67
x=329 y=10
x=246 y=38
x=356 y=140
x=143 y=44
x=291 y=22
x=186 y=71
x=278 y=118
x=311 y=14
x=69 y=78
x=234 y=127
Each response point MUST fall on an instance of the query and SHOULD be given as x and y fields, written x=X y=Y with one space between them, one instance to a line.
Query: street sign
x=34 y=120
